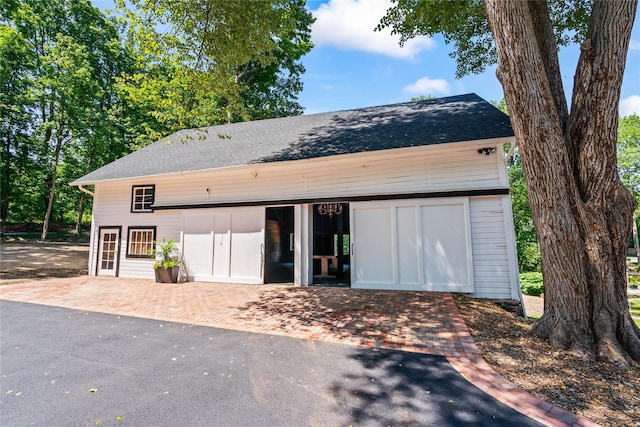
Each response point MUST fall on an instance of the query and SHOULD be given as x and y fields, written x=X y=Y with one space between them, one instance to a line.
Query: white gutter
x=84 y=190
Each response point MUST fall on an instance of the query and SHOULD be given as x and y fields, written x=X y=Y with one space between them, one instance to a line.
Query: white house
x=411 y=196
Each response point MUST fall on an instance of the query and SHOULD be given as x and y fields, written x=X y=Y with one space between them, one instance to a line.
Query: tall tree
x=271 y=90
x=216 y=61
x=16 y=62
x=76 y=55
x=581 y=210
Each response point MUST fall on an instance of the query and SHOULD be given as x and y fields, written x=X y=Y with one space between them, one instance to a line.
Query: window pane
x=142 y=198
x=140 y=242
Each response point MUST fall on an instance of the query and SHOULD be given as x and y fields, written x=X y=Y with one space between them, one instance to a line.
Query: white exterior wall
x=493 y=263
x=112 y=207
x=420 y=169
x=447 y=167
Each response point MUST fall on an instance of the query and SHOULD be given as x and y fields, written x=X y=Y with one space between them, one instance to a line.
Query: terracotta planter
x=167 y=275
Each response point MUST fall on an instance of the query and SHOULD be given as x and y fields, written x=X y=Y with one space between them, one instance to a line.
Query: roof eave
x=490 y=141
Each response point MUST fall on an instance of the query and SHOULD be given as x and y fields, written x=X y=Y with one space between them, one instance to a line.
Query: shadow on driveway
x=69 y=367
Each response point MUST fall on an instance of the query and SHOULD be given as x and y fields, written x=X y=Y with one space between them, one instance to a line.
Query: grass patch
x=634 y=306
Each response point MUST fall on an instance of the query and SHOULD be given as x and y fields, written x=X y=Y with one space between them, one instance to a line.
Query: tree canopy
x=463 y=24
x=79 y=89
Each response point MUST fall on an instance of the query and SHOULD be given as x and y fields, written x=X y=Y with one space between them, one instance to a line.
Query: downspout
x=84 y=190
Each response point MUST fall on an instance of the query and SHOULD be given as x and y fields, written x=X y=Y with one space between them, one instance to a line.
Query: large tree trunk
x=83 y=195
x=79 y=213
x=581 y=211
x=52 y=190
x=5 y=181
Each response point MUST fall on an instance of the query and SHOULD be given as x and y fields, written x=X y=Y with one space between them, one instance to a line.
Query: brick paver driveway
x=420 y=322
x=413 y=321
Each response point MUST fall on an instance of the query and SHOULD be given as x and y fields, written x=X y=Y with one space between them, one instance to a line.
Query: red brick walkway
x=411 y=321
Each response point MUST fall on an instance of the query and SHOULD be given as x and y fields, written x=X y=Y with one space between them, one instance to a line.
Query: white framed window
x=140 y=242
x=142 y=197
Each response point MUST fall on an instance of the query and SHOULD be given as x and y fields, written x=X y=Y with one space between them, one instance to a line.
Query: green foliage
x=166 y=253
x=629 y=154
x=422 y=98
x=462 y=23
x=79 y=89
x=71 y=54
x=531 y=284
x=219 y=62
x=634 y=306
x=526 y=239
x=16 y=62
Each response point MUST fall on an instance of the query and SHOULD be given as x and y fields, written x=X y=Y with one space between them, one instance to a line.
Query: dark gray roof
x=436 y=121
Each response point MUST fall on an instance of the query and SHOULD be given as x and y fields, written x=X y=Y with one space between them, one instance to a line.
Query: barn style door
x=412 y=245
x=225 y=245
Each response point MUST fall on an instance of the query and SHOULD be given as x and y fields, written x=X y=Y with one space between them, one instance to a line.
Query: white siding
x=112 y=207
x=447 y=167
x=491 y=266
x=420 y=169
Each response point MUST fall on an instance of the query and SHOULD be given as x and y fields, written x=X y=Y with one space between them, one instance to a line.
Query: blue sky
x=352 y=66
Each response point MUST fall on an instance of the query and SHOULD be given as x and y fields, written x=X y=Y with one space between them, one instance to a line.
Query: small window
x=142 y=198
x=141 y=242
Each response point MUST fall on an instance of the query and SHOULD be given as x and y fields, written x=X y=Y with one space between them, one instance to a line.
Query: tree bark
x=83 y=195
x=52 y=190
x=581 y=211
x=636 y=241
x=79 y=213
x=5 y=185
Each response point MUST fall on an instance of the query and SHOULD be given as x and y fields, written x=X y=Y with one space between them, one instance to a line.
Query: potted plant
x=167 y=261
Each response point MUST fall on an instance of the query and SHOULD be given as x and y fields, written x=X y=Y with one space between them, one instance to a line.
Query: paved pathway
x=420 y=322
x=157 y=373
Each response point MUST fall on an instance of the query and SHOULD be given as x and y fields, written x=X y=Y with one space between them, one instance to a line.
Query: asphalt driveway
x=68 y=367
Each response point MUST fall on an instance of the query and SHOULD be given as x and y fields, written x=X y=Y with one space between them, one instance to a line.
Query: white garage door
x=412 y=245
x=225 y=245
x=196 y=238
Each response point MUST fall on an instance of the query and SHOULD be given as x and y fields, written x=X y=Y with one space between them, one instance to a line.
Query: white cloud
x=427 y=86
x=634 y=44
x=350 y=24
x=630 y=105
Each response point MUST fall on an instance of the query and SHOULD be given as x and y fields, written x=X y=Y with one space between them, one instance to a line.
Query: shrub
x=167 y=254
x=529 y=256
x=531 y=284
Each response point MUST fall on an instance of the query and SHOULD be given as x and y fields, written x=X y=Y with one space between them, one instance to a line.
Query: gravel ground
x=27 y=261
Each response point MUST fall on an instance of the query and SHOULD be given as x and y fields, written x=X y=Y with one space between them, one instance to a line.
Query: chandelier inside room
x=330 y=209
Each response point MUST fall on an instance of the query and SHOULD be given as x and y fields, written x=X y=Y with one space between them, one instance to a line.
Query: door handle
x=261 y=254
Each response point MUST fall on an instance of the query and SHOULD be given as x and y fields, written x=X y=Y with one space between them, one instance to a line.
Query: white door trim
x=108 y=257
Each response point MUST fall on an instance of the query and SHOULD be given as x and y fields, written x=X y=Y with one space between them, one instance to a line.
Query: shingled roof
x=435 y=121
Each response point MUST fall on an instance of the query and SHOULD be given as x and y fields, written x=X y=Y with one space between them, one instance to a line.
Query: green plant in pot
x=167 y=264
